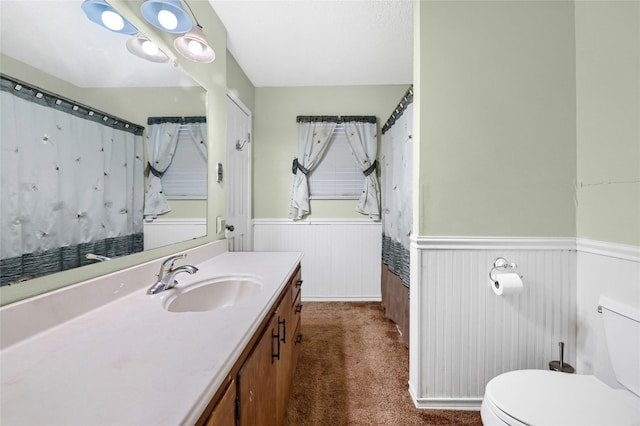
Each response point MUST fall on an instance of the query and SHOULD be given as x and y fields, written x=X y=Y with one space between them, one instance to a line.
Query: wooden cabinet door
x=224 y=413
x=257 y=381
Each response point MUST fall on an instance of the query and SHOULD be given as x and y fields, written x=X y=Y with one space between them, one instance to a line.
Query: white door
x=238 y=176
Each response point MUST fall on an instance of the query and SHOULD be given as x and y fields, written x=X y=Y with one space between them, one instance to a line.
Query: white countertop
x=131 y=362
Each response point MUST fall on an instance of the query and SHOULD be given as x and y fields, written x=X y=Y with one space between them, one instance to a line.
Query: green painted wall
x=495 y=121
x=239 y=84
x=608 y=120
x=275 y=137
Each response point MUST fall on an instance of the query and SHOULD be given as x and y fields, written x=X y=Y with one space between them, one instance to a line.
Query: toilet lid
x=541 y=397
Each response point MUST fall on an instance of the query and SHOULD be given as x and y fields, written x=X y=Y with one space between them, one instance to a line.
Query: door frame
x=249 y=225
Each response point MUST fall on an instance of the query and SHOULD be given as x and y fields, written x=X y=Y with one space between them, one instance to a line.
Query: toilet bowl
x=542 y=397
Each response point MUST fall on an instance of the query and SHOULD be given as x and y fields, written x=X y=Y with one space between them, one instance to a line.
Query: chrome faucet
x=167 y=275
x=97 y=257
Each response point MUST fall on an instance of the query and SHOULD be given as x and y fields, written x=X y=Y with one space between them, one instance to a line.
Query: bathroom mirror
x=52 y=45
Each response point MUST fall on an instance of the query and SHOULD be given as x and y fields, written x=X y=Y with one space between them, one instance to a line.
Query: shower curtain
x=72 y=183
x=397 y=171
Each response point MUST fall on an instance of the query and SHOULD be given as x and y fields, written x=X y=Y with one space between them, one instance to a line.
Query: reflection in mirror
x=52 y=47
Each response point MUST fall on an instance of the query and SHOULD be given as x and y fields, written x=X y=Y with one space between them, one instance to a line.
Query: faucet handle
x=167 y=265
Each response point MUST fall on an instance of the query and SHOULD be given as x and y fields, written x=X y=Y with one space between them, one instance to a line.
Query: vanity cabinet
x=256 y=392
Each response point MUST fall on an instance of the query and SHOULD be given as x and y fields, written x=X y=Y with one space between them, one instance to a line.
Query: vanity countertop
x=131 y=362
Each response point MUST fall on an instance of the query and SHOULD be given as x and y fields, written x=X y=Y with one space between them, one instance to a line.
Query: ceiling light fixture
x=167 y=15
x=193 y=46
x=101 y=13
x=146 y=49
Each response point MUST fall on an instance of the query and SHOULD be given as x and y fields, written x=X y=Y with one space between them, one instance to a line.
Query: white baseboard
x=343 y=299
x=465 y=404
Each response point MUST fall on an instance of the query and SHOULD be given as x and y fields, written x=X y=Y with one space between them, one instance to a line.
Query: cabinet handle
x=275 y=347
x=298 y=308
x=299 y=283
x=283 y=323
x=298 y=338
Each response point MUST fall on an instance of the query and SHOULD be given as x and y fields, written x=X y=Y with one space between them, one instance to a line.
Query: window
x=337 y=176
x=186 y=177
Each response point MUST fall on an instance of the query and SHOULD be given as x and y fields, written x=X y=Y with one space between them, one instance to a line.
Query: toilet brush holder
x=561 y=365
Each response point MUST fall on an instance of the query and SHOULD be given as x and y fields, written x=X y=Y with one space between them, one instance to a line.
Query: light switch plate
x=220 y=223
x=219 y=172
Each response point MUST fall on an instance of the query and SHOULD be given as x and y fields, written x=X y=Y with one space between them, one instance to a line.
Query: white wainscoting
x=602 y=268
x=462 y=334
x=341 y=257
x=161 y=232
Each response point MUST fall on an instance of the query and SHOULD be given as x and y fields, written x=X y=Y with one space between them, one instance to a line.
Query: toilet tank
x=621 y=316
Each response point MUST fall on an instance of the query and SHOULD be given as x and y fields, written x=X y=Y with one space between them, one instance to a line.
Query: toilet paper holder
x=502 y=265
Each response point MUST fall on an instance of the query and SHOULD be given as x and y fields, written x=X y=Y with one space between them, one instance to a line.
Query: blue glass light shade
x=153 y=11
x=95 y=11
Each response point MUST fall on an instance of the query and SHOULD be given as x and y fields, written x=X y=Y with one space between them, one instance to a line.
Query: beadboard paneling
x=463 y=335
x=602 y=267
x=162 y=232
x=341 y=257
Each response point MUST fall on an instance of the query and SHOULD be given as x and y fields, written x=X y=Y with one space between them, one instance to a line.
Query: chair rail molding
x=493 y=243
x=604 y=248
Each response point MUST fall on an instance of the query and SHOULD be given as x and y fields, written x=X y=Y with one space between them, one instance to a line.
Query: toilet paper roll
x=506 y=283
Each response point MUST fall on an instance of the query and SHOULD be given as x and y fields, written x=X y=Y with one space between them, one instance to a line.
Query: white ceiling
x=276 y=42
x=320 y=42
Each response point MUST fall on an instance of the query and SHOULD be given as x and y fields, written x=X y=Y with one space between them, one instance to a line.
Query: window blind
x=338 y=175
x=187 y=175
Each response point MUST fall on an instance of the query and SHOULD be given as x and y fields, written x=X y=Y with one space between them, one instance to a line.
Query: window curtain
x=313 y=139
x=162 y=139
x=72 y=179
x=363 y=142
x=198 y=134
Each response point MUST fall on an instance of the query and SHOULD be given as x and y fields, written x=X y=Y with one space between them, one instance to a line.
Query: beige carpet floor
x=353 y=370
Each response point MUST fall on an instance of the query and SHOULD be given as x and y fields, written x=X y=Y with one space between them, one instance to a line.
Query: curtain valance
x=179 y=120
x=49 y=99
x=336 y=119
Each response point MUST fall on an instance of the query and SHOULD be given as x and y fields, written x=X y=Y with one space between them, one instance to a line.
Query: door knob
x=230 y=228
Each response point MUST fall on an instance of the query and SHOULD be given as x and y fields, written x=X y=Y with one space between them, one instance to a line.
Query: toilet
x=543 y=397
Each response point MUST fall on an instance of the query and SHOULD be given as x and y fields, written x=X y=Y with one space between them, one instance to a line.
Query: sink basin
x=213 y=293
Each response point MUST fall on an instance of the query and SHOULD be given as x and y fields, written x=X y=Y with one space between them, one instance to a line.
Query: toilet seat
x=541 y=397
